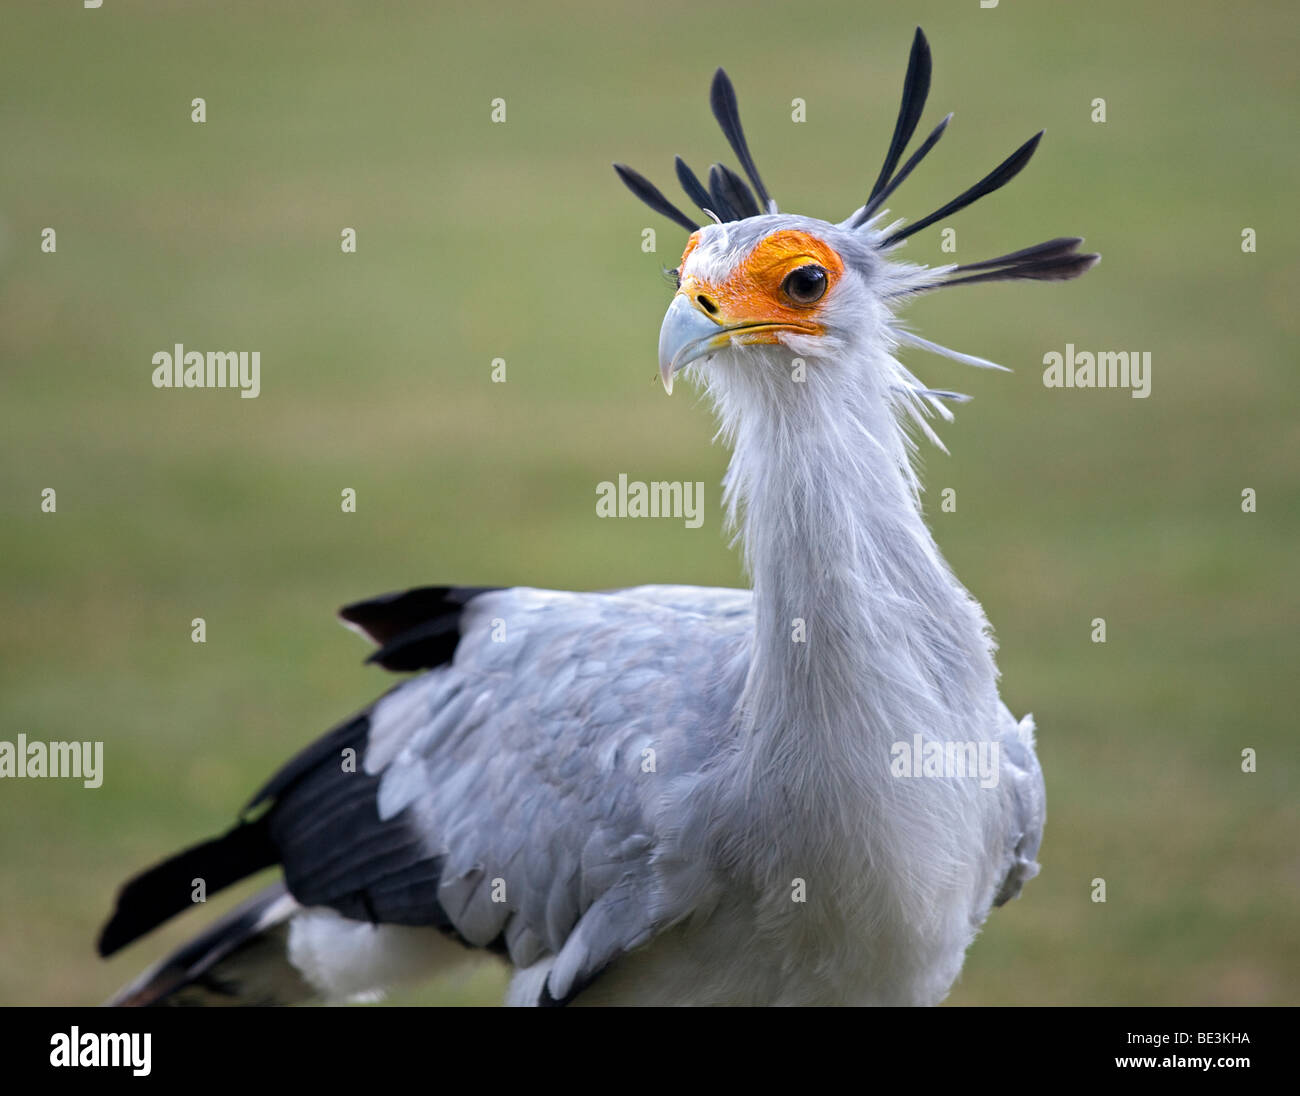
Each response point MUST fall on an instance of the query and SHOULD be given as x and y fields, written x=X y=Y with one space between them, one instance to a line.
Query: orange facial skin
x=752 y=294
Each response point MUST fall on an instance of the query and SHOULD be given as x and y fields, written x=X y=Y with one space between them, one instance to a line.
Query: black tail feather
x=161 y=892
x=240 y=959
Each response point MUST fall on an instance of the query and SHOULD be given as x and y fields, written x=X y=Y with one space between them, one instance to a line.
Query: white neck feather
x=822 y=491
x=824 y=498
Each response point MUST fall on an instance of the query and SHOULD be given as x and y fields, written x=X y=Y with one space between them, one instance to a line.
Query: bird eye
x=805 y=285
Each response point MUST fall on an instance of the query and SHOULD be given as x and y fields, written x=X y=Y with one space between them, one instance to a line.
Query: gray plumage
x=581 y=751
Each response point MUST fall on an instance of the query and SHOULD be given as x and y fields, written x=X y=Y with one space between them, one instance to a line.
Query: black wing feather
x=318 y=817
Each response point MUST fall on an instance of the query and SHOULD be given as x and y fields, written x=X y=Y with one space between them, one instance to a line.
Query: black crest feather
x=728 y=197
x=719 y=197
x=877 y=200
x=1055 y=260
x=995 y=179
x=1050 y=249
x=695 y=190
x=725 y=182
x=644 y=189
x=916 y=89
x=722 y=97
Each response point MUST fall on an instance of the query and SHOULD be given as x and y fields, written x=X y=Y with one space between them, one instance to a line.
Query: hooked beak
x=688 y=332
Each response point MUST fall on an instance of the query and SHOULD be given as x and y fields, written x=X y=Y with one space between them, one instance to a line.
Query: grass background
x=479 y=241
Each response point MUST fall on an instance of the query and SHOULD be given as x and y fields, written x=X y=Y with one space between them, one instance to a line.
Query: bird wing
x=1027 y=806
x=517 y=796
x=514 y=795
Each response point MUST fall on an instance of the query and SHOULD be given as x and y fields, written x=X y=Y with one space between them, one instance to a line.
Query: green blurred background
x=478 y=241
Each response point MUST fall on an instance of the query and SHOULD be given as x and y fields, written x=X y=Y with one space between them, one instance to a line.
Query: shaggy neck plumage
x=862 y=635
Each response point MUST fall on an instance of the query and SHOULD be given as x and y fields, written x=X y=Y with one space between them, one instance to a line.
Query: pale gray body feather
x=577 y=763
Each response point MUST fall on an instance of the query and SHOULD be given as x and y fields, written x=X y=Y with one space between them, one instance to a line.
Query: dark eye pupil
x=806 y=284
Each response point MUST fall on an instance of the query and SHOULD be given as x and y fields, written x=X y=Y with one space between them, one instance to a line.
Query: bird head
x=757 y=288
x=796 y=286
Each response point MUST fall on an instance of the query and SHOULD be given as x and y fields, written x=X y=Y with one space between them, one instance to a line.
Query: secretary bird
x=670 y=794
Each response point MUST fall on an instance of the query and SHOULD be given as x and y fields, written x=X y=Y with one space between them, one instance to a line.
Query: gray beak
x=687 y=333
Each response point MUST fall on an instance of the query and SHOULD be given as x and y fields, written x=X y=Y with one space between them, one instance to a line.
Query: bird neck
x=862 y=635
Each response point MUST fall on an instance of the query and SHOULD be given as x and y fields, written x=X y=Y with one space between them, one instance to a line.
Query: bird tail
x=242 y=959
